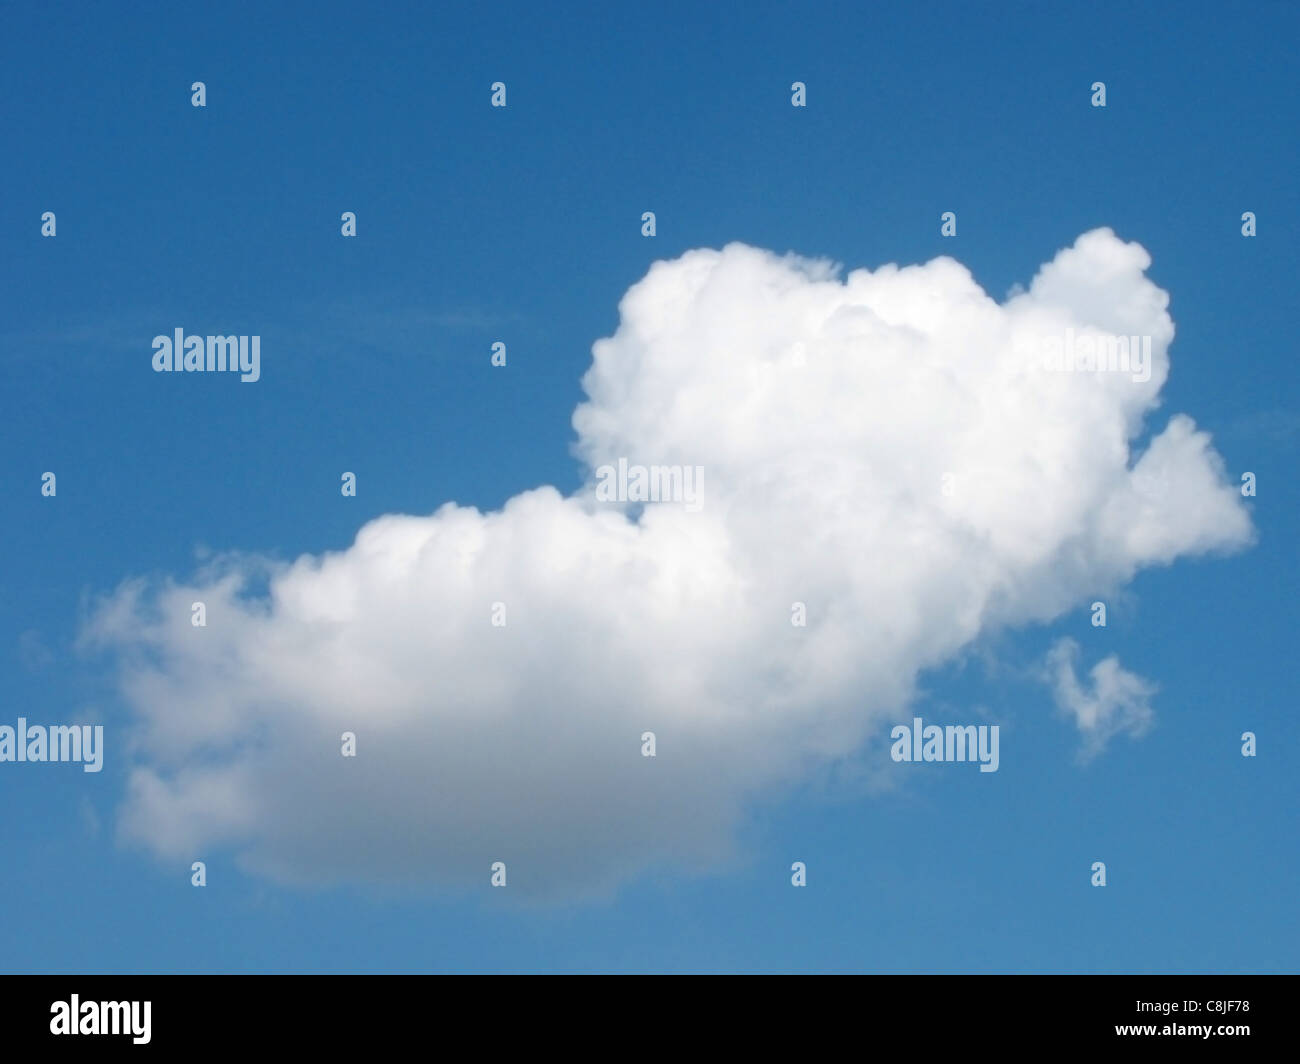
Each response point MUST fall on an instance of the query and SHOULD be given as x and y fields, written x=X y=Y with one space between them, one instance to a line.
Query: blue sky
x=523 y=224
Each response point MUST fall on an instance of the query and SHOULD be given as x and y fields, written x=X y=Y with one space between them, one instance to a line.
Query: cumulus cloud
x=1119 y=703
x=885 y=447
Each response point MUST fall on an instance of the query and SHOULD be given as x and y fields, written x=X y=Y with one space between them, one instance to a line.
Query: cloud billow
x=883 y=447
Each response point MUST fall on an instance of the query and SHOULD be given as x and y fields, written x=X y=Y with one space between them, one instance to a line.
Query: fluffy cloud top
x=885 y=447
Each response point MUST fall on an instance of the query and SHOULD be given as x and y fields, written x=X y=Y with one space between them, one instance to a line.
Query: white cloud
x=1119 y=703
x=830 y=414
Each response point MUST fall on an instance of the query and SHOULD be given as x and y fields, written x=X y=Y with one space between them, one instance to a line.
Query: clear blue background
x=523 y=225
